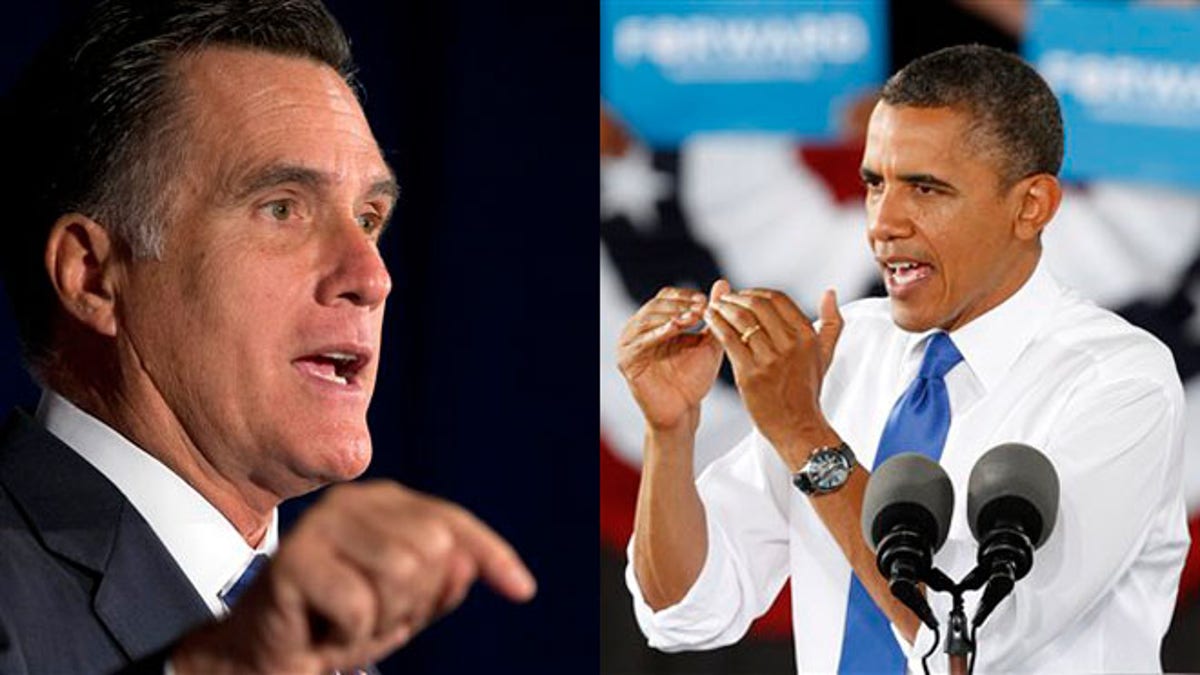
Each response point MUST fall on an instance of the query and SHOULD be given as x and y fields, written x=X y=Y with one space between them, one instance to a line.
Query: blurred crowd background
x=730 y=140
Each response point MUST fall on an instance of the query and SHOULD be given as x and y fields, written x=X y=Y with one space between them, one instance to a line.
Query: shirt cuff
x=701 y=619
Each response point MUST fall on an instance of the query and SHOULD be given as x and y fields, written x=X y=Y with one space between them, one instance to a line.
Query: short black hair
x=1009 y=103
x=94 y=126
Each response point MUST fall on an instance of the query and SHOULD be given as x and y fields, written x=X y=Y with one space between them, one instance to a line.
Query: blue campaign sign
x=674 y=67
x=1128 y=79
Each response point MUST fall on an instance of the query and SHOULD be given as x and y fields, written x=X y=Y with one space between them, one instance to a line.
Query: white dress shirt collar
x=991 y=343
x=208 y=549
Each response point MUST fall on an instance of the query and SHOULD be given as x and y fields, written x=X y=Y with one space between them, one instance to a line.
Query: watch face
x=830 y=470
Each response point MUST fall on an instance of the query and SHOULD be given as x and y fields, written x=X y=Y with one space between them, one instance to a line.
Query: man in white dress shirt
x=960 y=167
x=195 y=269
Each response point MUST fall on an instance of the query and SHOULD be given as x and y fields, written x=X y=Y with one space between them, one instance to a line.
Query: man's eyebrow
x=274 y=175
x=386 y=187
x=870 y=176
x=926 y=179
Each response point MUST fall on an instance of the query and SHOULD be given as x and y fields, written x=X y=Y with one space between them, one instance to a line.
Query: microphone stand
x=959 y=645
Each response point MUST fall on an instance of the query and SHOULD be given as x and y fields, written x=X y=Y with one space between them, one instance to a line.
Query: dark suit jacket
x=85 y=585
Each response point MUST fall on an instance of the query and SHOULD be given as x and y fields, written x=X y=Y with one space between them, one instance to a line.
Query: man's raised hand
x=363 y=571
x=779 y=361
x=668 y=369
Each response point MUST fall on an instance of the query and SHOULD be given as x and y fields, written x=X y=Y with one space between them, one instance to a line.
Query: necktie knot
x=940 y=356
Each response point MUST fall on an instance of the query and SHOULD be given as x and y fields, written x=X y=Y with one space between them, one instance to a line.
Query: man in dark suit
x=193 y=264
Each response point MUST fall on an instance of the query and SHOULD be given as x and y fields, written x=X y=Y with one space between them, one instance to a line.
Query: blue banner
x=1128 y=79
x=674 y=67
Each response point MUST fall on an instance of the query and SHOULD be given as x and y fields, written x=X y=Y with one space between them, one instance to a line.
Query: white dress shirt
x=206 y=546
x=1100 y=397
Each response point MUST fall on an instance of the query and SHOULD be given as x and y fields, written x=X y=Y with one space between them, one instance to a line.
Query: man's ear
x=1039 y=197
x=82 y=260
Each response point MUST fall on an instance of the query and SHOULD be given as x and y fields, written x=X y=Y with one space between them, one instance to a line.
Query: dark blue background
x=486 y=394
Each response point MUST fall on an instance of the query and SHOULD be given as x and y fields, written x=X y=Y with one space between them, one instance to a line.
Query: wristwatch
x=827 y=470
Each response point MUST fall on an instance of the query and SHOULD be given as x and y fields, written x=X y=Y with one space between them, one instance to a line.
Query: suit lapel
x=142 y=597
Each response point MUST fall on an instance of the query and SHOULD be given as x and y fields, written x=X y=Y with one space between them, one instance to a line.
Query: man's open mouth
x=339 y=367
x=902 y=273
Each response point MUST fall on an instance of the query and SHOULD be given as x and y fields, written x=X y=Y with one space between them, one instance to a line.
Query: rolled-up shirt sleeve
x=745 y=497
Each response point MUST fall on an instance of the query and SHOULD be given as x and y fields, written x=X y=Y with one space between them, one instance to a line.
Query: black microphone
x=1012 y=502
x=905 y=517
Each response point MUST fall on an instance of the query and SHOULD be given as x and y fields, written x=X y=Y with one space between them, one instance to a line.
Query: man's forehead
x=232 y=89
x=240 y=69
x=257 y=117
x=909 y=133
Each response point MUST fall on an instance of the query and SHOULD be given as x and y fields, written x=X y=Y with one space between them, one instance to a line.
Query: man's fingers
x=373 y=563
x=400 y=543
x=683 y=318
x=341 y=602
x=461 y=575
x=650 y=315
x=354 y=658
x=409 y=573
x=668 y=329
x=450 y=541
x=745 y=322
x=720 y=287
x=831 y=326
x=764 y=314
x=729 y=338
x=366 y=568
x=497 y=562
x=403 y=577
x=675 y=293
x=787 y=309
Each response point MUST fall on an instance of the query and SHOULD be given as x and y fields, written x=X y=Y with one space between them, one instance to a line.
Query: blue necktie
x=918 y=423
x=231 y=595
